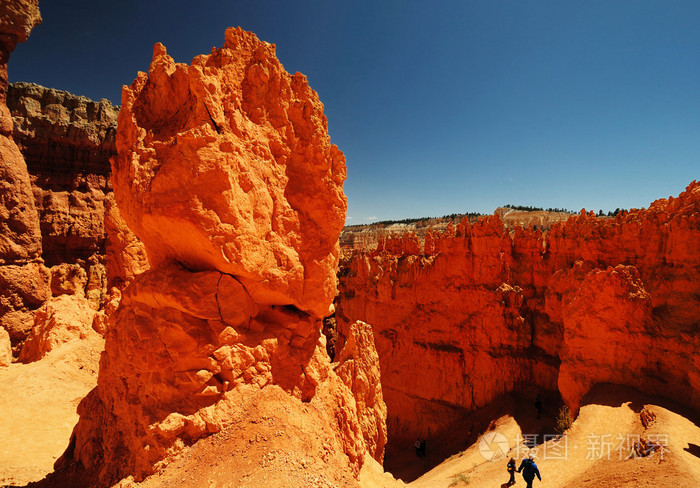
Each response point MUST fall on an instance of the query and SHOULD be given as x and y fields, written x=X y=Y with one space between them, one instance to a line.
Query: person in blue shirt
x=529 y=470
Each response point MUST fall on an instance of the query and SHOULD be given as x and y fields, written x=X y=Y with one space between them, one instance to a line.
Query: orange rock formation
x=264 y=202
x=226 y=172
x=58 y=321
x=358 y=367
x=480 y=310
x=23 y=285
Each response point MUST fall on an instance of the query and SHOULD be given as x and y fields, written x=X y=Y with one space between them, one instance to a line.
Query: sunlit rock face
x=263 y=198
x=480 y=310
x=226 y=173
x=23 y=283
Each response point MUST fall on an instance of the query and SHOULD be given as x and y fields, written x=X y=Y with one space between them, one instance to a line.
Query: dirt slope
x=594 y=451
x=38 y=409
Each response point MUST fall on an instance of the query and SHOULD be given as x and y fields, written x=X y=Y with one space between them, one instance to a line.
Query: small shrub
x=564 y=420
x=460 y=480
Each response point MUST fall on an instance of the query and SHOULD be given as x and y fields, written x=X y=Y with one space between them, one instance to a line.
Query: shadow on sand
x=693 y=449
x=401 y=460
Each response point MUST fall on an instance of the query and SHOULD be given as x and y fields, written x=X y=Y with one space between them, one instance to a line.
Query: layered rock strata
x=480 y=310
x=67 y=141
x=226 y=172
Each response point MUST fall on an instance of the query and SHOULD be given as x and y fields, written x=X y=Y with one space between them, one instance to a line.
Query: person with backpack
x=529 y=470
x=511 y=471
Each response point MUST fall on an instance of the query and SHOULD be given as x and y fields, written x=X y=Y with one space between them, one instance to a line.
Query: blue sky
x=440 y=107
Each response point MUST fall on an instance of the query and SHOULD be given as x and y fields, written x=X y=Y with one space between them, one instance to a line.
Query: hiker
x=538 y=405
x=511 y=470
x=417 y=446
x=529 y=470
x=422 y=449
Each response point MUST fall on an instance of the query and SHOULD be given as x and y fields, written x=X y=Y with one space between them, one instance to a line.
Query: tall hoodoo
x=263 y=199
x=226 y=172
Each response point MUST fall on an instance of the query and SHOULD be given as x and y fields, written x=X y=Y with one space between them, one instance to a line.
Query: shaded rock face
x=225 y=171
x=67 y=141
x=478 y=311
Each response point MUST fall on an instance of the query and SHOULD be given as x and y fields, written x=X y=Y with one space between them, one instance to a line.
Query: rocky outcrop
x=5 y=348
x=23 y=289
x=358 y=366
x=264 y=202
x=17 y=19
x=56 y=202
x=125 y=254
x=59 y=321
x=20 y=238
x=480 y=310
x=67 y=141
x=225 y=171
x=368 y=236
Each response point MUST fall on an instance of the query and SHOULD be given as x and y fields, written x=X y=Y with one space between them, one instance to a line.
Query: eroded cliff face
x=66 y=141
x=226 y=172
x=478 y=310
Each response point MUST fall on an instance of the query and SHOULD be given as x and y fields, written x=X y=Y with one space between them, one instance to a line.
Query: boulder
x=60 y=320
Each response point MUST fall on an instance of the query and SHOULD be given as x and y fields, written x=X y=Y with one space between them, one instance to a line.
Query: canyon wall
x=479 y=310
x=66 y=141
x=226 y=173
x=367 y=236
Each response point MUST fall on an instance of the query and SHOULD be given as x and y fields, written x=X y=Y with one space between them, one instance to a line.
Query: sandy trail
x=594 y=451
x=38 y=409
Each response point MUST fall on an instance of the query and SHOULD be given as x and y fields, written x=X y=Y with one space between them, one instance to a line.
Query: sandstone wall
x=66 y=141
x=479 y=310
